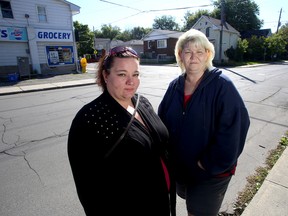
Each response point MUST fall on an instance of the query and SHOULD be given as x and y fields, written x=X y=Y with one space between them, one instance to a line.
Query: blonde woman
x=207 y=122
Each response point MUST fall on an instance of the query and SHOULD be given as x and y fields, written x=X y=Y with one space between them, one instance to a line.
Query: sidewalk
x=48 y=82
x=272 y=197
x=5 y=90
x=270 y=200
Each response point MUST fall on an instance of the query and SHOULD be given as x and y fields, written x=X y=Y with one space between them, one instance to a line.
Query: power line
x=150 y=11
x=183 y=8
x=125 y=18
x=120 y=5
x=168 y=9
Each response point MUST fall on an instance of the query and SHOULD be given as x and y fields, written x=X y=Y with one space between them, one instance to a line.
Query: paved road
x=35 y=176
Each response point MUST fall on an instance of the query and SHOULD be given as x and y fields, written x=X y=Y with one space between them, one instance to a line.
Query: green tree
x=191 y=18
x=275 y=46
x=108 y=31
x=136 y=33
x=241 y=14
x=139 y=32
x=242 y=47
x=86 y=38
x=238 y=53
x=283 y=32
x=257 y=49
x=124 y=36
x=165 y=23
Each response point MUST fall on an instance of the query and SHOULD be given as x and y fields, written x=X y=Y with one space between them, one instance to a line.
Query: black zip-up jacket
x=211 y=128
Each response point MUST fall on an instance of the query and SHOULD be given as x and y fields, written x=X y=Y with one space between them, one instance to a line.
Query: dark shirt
x=131 y=180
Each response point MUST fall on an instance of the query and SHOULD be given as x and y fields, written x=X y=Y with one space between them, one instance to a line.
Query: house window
x=41 y=14
x=150 y=44
x=161 y=43
x=208 y=31
x=6 y=9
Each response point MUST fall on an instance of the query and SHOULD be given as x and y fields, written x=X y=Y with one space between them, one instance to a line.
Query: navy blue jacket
x=211 y=128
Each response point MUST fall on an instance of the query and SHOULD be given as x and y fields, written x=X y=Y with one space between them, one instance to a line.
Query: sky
x=127 y=14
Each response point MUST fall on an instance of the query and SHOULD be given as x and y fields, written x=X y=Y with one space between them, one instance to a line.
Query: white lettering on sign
x=54 y=35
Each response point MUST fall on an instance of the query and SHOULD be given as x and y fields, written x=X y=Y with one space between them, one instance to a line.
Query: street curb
x=273 y=191
x=42 y=87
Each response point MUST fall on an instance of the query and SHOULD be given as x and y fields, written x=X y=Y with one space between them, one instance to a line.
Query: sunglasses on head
x=120 y=51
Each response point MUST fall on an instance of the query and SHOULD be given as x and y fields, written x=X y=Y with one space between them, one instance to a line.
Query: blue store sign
x=13 y=34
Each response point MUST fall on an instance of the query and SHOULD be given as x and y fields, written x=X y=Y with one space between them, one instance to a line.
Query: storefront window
x=60 y=55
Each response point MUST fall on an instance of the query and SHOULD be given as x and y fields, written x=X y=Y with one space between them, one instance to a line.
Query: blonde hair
x=195 y=37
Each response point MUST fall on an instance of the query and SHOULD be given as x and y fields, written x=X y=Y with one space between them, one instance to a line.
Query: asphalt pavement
x=270 y=200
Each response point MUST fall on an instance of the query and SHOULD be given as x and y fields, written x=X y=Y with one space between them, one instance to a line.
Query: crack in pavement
x=4 y=132
x=65 y=133
x=23 y=153
x=27 y=162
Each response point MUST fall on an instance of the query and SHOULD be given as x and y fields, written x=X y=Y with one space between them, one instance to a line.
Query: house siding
x=229 y=37
x=8 y=59
x=171 y=46
x=58 y=13
x=59 y=19
x=15 y=49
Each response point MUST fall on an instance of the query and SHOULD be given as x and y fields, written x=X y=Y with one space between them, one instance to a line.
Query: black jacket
x=130 y=181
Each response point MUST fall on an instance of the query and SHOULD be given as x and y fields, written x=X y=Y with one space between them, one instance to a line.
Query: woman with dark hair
x=117 y=146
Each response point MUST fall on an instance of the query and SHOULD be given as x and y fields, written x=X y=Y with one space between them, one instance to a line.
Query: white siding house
x=38 y=33
x=212 y=28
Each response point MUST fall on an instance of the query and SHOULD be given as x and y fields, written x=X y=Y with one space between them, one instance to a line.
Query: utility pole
x=279 y=22
x=221 y=30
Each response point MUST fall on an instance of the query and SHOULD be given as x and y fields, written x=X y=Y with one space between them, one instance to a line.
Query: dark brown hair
x=106 y=62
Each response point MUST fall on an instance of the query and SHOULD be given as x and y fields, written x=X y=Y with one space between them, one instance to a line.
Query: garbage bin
x=23 y=66
x=12 y=77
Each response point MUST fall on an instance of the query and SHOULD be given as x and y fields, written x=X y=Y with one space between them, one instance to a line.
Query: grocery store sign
x=54 y=35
